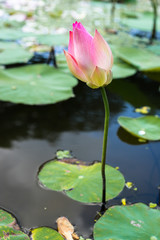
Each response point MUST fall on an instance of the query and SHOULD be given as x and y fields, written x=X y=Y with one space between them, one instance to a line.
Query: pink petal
x=74 y=68
x=101 y=52
x=71 y=44
x=99 y=77
x=80 y=27
x=82 y=48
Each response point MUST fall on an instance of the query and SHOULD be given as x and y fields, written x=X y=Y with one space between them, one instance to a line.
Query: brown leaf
x=66 y=229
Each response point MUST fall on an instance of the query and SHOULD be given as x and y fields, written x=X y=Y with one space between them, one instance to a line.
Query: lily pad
x=136 y=221
x=143 y=22
x=13 y=53
x=155 y=49
x=53 y=39
x=147 y=127
x=42 y=233
x=9 y=228
x=6 y=218
x=35 y=84
x=142 y=59
x=122 y=70
x=13 y=34
x=80 y=182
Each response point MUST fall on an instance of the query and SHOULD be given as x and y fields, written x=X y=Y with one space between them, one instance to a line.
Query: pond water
x=31 y=135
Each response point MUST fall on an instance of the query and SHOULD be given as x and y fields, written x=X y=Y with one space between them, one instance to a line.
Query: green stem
x=155 y=12
x=103 y=161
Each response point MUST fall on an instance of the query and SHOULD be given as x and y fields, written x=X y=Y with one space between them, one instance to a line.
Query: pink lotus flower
x=89 y=58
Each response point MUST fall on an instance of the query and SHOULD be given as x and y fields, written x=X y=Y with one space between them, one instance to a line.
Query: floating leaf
x=154 y=48
x=53 y=40
x=143 y=22
x=6 y=218
x=136 y=221
x=122 y=70
x=12 y=34
x=82 y=183
x=66 y=229
x=10 y=233
x=9 y=228
x=35 y=84
x=42 y=233
x=142 y=59
x=147 y=127
x=13 y=53
x=63 y=154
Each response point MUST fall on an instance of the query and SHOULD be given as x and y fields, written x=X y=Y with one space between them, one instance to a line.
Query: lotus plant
x=90 y=60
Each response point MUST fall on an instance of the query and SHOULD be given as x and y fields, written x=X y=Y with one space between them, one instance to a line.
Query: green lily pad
x=143 y=22
x=122 y=70
x=9 y=228
x=80 y=182
x=42 y=233
x=142 y=59
x=154 y=49
x=35 y=84
x=10 y=233
x=6 y=218
x=63 y=154
x=13 y=53
x=13 y=34
x=53 y=40
x=132 y=222
x=147 y=127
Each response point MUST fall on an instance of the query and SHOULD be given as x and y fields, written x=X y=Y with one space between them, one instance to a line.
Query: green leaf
x=142 y=59
x=43 y=233
x=8 y=227
x=122 y=70
x=6 y=218
x=132 y=222
x=35 y=84
x=143 y=22
x=154 y=49
x=10 y=233
x=13 y=34
x=147 y=127
x=63 y=154
x=82 y=183
x=13 y=53
x=53 y=40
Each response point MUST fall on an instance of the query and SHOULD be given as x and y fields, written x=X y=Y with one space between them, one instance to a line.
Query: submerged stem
x=105 y=135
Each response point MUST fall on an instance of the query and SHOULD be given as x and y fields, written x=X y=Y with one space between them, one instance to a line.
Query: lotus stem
x=104 y=147
x=155 y=14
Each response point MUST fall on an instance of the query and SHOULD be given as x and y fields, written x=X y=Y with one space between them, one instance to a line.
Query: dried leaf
x=66 y=229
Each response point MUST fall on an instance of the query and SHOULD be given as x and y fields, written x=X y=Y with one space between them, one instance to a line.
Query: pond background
x=31 y=135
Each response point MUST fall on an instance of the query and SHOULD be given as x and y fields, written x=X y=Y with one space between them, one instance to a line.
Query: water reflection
x=83 y=113
x=128 y=138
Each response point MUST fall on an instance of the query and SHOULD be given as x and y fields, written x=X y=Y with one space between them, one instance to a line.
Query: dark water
x=30 y=135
